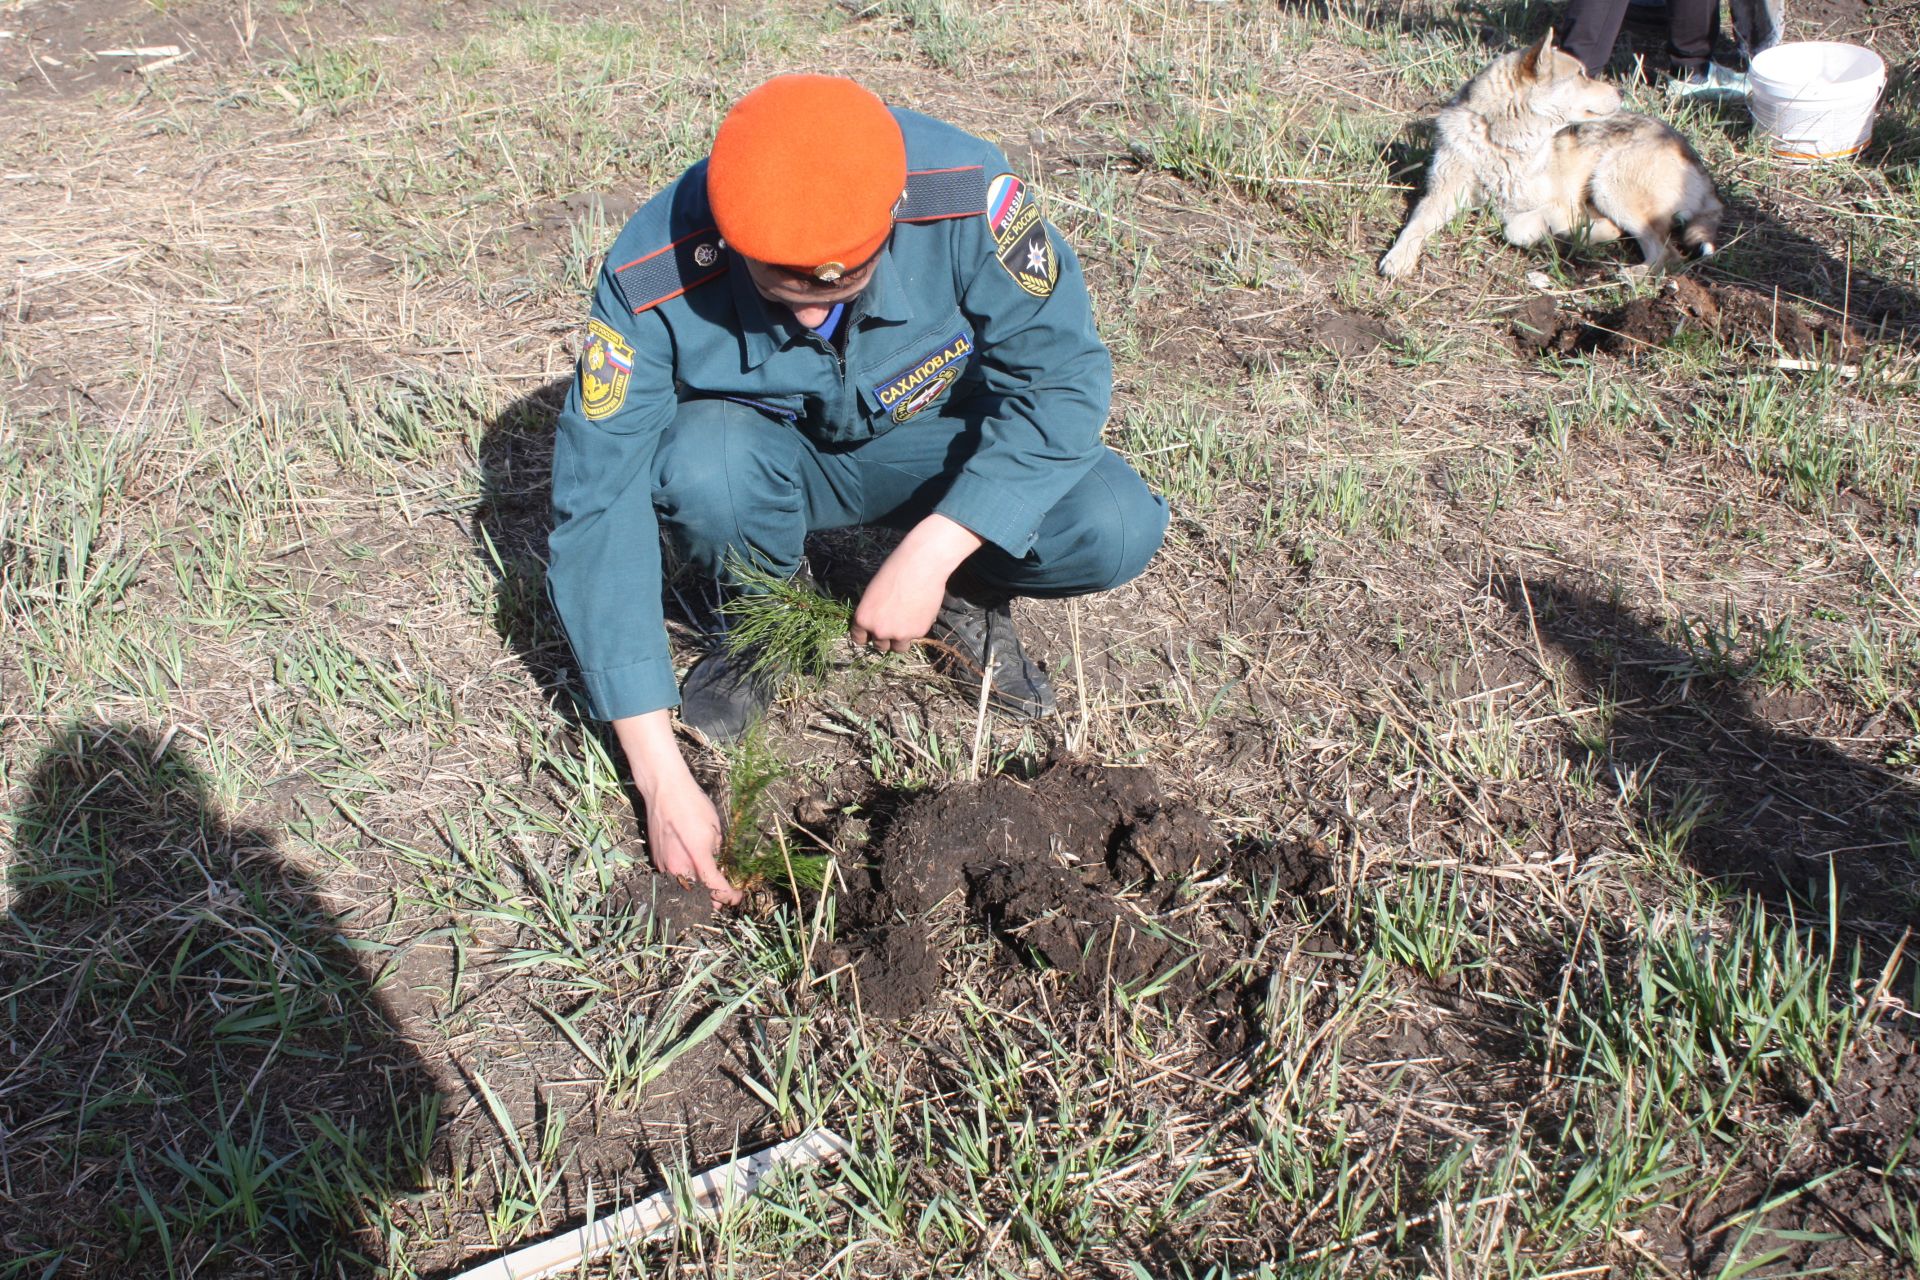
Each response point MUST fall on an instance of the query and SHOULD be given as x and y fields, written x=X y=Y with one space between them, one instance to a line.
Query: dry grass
x=319 y=954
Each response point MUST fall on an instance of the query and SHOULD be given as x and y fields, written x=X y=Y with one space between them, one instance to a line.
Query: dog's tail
x=1702 y=232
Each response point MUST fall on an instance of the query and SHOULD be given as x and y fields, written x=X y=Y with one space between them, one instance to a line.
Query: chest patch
x=1020 y=236
x=605 y=367
x=916 y=387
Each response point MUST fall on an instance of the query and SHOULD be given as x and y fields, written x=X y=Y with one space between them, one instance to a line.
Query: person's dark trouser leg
x=1693 y=27
x=1099 y=536
x=1756 y=23
x=729 y=480
x=1590 y=29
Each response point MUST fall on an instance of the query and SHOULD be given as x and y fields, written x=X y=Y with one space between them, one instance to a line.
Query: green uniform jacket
x=975 y=302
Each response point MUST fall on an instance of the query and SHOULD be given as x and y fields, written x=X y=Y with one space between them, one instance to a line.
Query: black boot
x=723 y=696
x=974 y=631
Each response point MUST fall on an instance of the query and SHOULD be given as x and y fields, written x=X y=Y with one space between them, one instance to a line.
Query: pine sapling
x=782 y=624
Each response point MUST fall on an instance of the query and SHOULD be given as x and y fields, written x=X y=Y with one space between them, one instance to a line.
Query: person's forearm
x=652 y=754
x=903 y=597
x=938 y=545
x=683 y=830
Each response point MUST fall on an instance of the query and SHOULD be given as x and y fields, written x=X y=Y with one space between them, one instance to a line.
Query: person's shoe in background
x=1711 y=83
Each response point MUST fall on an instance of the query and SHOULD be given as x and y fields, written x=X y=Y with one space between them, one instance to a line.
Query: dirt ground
x=1077 y=871
x=1743 y=321
x=1482 y=844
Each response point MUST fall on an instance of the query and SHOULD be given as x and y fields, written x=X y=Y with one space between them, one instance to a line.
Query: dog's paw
x=1396 y=262
x=1524 y=230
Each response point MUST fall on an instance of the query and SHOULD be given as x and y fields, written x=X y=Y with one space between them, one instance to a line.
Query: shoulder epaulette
x=667 y=273
x=933 y=194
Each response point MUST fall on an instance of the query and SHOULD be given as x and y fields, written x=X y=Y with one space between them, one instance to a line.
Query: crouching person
x=845 y=315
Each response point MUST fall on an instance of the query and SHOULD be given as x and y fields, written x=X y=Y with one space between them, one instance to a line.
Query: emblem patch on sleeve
x=1020 y=236
x=605 y=367
x=911 y=390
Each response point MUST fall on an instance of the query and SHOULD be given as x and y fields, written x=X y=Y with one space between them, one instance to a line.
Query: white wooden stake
x=652 y=1218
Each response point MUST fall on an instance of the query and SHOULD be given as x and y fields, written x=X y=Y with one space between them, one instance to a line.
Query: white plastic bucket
x=1815 y=99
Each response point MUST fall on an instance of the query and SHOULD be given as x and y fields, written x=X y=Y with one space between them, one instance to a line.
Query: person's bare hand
x=899 y=605
x=683 y=831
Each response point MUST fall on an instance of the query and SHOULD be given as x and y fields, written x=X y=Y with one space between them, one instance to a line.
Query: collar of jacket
x=766 y=327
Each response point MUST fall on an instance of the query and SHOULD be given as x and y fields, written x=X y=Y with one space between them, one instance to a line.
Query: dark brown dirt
x=1752 y=324
x=1840 y=1217
x=55 y=48
x=59 y=48
x=1870 y=1125
x=1075 y=871
x=549 y=226
x=1537 y=325
x=1834 y=19
x=672 y=906
x=1876 y=1106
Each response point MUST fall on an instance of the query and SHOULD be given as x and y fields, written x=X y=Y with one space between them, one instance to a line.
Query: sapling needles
x=781 y=624
x=755 y=848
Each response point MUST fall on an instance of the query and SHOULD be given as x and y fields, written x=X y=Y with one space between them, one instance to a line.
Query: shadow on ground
x=1769 y=253
x=1761 y=809
x=1499 y=25
x=198 y=1077
x=510 y=527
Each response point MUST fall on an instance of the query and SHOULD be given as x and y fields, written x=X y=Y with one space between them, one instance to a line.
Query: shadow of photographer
x=1778 y=814
x=199 y=1077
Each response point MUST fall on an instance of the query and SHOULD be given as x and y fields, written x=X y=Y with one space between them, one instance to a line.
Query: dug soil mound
x=1748 y=321
x=1080 y=870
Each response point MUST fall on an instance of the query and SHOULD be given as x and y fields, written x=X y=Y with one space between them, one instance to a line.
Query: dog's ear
x=1530 y=61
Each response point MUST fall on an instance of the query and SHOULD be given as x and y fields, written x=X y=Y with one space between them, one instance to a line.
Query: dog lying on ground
x=1551 y=149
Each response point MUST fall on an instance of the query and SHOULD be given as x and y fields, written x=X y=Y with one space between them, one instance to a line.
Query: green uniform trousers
x=729 y=478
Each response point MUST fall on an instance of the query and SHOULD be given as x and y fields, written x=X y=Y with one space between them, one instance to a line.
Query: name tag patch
x=913 y=389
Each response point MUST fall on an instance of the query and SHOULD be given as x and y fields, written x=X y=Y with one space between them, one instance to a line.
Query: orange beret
x=805 y=171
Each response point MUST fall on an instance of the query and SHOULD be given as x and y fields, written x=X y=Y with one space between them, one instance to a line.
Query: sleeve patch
x=1020 y=238
x=605 y=368
x=933 y=194
x=1006 y=196
x=667 y=273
